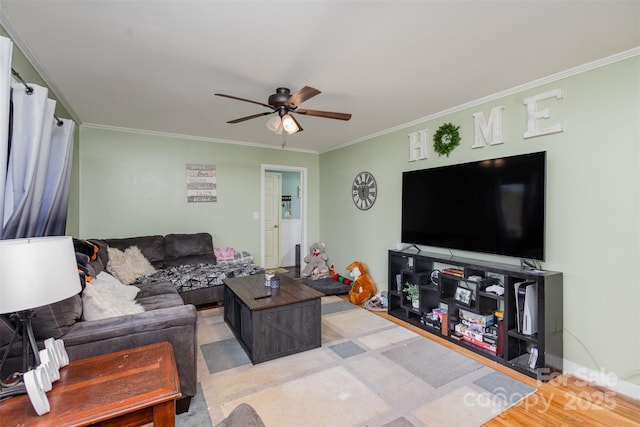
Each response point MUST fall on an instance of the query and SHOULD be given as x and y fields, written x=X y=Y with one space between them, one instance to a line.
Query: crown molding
x=193 y=137
x=502 y=94
x=31 y=58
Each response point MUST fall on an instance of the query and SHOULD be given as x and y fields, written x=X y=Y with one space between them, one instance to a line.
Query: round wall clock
x=364 y=190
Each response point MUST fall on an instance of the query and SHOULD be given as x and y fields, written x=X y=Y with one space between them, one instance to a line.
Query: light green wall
x=593 y=204
x=134 y=184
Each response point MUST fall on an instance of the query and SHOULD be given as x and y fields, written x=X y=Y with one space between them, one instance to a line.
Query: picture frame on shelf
x=463 y=296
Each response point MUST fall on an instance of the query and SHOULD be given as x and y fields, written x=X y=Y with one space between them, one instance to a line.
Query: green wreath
x=446 y=139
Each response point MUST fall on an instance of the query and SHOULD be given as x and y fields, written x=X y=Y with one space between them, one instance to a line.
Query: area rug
x=368 y=372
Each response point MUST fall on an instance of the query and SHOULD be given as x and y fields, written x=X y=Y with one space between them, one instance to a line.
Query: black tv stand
x=484 y=322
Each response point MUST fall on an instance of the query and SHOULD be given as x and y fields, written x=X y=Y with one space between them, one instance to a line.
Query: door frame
x=303 y=205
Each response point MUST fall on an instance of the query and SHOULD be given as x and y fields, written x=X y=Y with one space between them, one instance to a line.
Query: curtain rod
x=30 y=91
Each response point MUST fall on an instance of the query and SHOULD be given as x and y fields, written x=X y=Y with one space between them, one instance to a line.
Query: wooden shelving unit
x=462 y=299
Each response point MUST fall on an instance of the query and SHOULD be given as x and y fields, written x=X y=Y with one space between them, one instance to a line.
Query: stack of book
x=454 y=272
x=472 y=329
x=483 y=320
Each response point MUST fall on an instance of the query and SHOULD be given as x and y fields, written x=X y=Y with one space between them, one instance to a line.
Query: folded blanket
x=237 y=257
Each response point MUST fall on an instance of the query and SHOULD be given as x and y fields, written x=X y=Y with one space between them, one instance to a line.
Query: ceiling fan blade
x=254 y=116
x=242 y=99
x=325 y=114
x=297 y=123
x=300 y=96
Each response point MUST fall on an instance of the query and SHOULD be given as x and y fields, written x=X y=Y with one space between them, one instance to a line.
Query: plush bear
x=363 y=288
x=316 y=262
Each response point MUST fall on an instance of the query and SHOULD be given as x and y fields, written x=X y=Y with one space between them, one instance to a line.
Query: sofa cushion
x=183 y=249
x=152 y=247
x=6 y=329
x=157 y=295
x=54 y=320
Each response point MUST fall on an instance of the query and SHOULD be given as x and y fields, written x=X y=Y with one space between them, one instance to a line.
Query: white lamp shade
x=37 y=271
x=275 y=124
x=289 y=124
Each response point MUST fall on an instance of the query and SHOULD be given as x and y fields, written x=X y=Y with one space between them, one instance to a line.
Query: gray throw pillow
x=54 y=320
x=183 y=249
x=6 y=329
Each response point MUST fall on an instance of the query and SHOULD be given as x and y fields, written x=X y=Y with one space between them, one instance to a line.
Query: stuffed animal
x=363 y=287
x=316 y=262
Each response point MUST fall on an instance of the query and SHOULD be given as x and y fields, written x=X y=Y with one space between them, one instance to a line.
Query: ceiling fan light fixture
x=289 y=124
x=283 y=103
x=274 y=124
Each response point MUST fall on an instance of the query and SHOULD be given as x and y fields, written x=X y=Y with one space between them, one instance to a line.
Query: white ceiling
x=155 y=65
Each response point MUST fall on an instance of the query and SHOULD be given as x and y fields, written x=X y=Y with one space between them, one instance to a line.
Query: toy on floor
x=363 y=287
x=378 y=302
x=316 y=262
x=344 y=280
x=332 y=270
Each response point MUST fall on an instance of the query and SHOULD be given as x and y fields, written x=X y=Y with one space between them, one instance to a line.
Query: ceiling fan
x=284 y=103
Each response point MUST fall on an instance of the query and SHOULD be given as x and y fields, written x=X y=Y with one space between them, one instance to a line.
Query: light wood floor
x=563 y=401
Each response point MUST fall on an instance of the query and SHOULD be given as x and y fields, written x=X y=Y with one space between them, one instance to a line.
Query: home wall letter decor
x=418 y=147
x=446 y=139
x=533 y=114
x=488 y=132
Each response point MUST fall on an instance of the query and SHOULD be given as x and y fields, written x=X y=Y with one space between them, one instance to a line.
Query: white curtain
x=53 y=215
x=36 y=188
x=6 y=49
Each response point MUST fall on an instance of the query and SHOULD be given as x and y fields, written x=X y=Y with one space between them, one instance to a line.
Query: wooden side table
x=127 y=388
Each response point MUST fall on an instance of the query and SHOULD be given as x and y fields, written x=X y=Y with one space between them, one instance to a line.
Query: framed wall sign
x=201 y=183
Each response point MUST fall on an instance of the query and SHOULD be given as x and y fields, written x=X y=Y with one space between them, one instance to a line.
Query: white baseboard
x=602 y=378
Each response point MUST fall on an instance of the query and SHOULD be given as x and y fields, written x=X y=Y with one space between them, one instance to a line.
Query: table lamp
x=34 y=272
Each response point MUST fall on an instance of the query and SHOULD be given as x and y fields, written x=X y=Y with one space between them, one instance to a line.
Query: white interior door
x=272 y=197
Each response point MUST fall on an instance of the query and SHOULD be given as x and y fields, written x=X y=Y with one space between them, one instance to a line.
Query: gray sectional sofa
x=168 y=315
x=188 y=261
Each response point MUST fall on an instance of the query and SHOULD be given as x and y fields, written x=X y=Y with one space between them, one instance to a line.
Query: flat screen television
x=494 y=206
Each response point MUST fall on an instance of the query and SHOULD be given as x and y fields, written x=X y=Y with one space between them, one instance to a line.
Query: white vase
x=415 y=303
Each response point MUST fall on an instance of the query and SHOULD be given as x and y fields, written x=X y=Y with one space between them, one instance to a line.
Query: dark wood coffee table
x=271 y=323
x=128 y=388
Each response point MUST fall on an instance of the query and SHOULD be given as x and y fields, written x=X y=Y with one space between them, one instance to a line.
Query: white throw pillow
x=105 y=297
x=127 y=266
